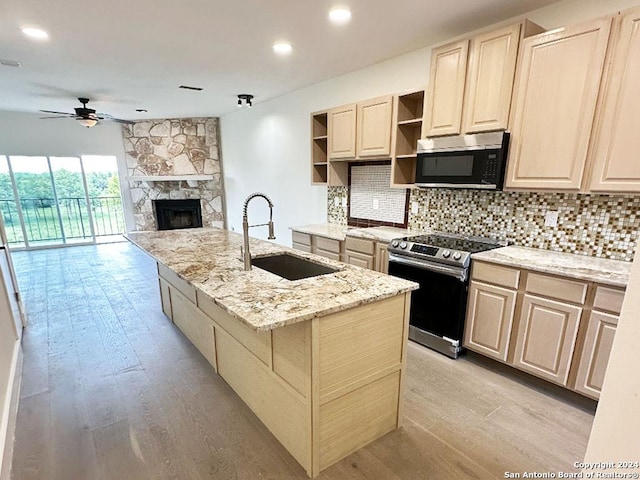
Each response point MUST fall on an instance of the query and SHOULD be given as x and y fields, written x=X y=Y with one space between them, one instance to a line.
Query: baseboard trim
x=10 y=415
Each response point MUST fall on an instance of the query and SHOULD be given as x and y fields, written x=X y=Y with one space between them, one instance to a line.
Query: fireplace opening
x=172 y=214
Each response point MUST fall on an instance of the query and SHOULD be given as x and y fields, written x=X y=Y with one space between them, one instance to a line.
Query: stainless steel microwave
x=463 y=161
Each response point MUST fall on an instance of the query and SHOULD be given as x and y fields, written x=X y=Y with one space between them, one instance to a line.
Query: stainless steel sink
x=291 y=267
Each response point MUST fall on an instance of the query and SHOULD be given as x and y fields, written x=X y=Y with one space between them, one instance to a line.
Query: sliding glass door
x=52 y=201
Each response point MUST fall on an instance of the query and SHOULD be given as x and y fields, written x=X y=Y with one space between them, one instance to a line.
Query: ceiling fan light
x=87 y=122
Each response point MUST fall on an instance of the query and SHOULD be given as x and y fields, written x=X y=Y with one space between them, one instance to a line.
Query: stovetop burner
x=443 y=248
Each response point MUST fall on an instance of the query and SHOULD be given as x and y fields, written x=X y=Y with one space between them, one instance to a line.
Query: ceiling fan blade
x=58 y=116
x=58 y=113
x=119 y=120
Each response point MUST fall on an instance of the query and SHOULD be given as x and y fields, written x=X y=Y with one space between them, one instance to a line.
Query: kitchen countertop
x=340 y=232
x=209 y=259
x=599 y=270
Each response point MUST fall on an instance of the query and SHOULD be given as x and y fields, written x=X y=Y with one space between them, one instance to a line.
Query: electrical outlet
x=551 y=219
x=336 y=201
x=344 y=202
x=414 y=208
x=376 y=204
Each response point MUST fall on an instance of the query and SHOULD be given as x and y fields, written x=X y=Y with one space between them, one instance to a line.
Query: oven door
x=438 y=307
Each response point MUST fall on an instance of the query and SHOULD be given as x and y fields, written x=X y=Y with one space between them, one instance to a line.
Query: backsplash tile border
x=604 y=226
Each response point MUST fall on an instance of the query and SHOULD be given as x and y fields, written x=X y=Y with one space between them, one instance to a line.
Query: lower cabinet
x=555 y=328
x=323 y=387
x=490 y=319
x=382 y=257
x=360 y=252
x=546 y=338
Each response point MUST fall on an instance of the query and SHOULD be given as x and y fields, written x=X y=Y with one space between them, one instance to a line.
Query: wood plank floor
x=112 y=390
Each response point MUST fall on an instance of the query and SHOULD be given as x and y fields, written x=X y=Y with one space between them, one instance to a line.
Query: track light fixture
x=246 y=98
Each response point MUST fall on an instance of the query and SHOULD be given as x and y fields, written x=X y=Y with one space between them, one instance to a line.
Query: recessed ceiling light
x=340 y=15
x=282 y=48
x=35 y=33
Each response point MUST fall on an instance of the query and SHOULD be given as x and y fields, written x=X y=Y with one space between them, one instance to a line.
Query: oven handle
x=451 y=271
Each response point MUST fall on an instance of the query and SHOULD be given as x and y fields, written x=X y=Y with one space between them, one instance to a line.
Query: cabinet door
x=546 y=338
x=443 y=113
x=382 y=258
x=554 y=106
x=489 y=320
x=342 y=132
x=616 y=168
x=374 y=127
x=492 y=67
x=196 y=326
x=358 y=259
x=595 y=353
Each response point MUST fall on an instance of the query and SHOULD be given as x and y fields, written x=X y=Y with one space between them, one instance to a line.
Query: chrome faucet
x=246 y=255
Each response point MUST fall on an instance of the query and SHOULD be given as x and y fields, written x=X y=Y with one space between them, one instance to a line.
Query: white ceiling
x=129 y=54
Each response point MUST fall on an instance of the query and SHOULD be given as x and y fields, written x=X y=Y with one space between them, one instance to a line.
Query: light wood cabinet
x=408 y=128
x=319 y=148
x=491 y=71
x=301 y=241
x=327 y=247
x=556 y=328
x=595 y=355
x=554 y=106
x=546 y=338
x=490 y=315
x=382 y=257
x=342 y=132
x=445 y=94
x=471 y=82
x=598 y=340
x=374 y=127
x=359 y=259
x=617 y=138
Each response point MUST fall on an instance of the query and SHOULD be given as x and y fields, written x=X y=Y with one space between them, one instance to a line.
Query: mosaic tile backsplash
x=603 y=226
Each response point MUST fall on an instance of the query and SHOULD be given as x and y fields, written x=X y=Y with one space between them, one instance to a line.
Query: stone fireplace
x=172 y=214
x=166 y=151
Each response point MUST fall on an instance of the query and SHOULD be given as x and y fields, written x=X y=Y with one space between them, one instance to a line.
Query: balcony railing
x=42 y=223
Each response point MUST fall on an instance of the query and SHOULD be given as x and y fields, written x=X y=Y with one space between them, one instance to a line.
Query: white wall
x=26 y=134
x=267 y=148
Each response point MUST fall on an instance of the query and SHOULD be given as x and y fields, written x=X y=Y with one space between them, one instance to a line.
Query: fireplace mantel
x=192 y=180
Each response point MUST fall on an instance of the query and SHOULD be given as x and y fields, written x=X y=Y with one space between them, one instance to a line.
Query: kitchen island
x=321 y=360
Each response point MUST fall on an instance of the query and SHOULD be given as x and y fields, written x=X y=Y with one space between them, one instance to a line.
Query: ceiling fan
x=87 y=117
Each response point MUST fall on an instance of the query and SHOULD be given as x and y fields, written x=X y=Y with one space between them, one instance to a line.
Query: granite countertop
x=209 y=259
x=340 y=232
x=328 y=230
x=599 y=270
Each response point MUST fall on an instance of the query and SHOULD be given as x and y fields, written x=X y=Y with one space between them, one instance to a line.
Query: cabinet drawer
x=328 y=244
x=302 y=247
x=560 y=288
x=496 y=274
x=330 y=255
x=608 y=299
x=303 y=238
x=181 y=285
x=359 y=245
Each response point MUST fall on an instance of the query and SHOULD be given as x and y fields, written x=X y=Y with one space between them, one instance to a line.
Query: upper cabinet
x=471 y=82
x=374 y=127
x=554 y=106
x=446 y=89
x=342 y=132
x=617 y=138
x=319 y=142
x=492 y=67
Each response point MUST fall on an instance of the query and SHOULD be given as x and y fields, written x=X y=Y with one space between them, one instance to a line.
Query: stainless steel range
x=440 y=263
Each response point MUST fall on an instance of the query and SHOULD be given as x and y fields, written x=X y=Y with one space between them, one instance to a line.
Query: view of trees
x=68 y=184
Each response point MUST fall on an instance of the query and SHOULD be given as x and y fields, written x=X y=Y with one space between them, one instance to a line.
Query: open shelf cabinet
x=408 y=129
x=319 y=145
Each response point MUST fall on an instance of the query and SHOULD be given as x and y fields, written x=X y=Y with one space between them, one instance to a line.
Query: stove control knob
x=394 y=244
x=457 y=256
x=446 y=254
x=403 y=245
